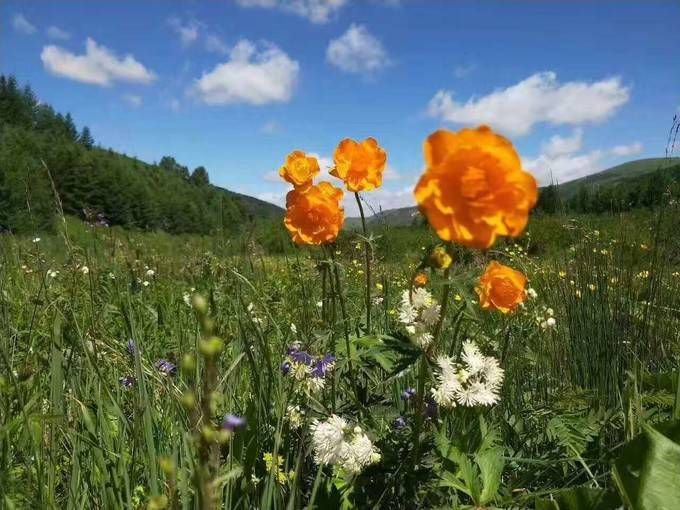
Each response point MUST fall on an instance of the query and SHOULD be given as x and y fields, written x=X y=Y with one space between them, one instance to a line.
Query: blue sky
x=236 y=85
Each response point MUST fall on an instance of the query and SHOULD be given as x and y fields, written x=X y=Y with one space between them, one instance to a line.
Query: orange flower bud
x=501 y=288
x=420 y=280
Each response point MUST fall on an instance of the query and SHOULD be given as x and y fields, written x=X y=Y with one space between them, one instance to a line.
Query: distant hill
x=616 y=174
x=42 y=151
x=632 y=172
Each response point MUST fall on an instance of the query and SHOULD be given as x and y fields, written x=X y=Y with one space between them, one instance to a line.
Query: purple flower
x=166 y=367
x=400 y=423
x=322 y=366
x=301 y=357
x=408 y=393
x=232 y=422
x=128 y=381
x=131 y=347
x=285 y=367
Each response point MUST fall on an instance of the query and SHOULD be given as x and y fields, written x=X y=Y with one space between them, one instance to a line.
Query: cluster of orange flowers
x=314 y=214
x=473 y=190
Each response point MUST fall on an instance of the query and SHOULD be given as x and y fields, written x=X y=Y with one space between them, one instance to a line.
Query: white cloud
x=627 y=150
x=559 y=145
x=560 y=160
x=536 y=99
x=187 y=32
x=357 y=51
x=54 y=32
x=316 y=11
x=22 y=25
x=133 y=100
x=250 y=76
x=98 y=66
x=564 y=167
x=215 y=44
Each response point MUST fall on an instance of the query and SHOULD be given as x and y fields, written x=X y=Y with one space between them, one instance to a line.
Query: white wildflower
x=150 y=272
x=52 y=273
x=328 y=439
x=85 y=270
x=430 y=314
x=295 y=416
x=146 y=283
x=532 y=293
x=293 y=328
x=334 y=443
x=36 y=239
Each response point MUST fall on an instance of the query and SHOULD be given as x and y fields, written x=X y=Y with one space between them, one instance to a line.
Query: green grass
x=71 y=436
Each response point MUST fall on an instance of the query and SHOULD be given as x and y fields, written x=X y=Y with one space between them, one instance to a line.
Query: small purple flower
x=301 y=357
x=232 y=422
x=131 y=347
x=400 y=423
x=285 y=367
x=166 y=367
x=322 y=366
x=408 y=393
x=128 y=381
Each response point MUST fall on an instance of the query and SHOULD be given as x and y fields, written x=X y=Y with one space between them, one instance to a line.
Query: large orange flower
x=501 y=288
x=474 y=188
x=360 y=165
x=299 y=169
x=314 y=214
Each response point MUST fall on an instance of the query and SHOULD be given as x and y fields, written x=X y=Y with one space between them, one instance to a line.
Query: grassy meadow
x=142 y=370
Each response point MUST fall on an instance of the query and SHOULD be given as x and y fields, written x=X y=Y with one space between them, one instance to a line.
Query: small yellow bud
x=440 y=259
x=167 y=465
x=158 y=502
x=189 y=364
x=200 y=304
x=211 y=347
x=188 y=400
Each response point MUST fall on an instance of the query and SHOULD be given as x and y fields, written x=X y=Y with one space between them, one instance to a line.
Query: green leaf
x=648 y=471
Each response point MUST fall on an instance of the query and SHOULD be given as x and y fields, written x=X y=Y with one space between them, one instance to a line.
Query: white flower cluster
x=419 y=313
x=295 y=416
x=253 y=315
x=474 y=381
x=337 y=444
x=547 y=322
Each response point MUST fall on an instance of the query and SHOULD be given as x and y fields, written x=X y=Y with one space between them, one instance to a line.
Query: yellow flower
x=299 y=169
x=360 y=165
x=474 y=188
x=501 y=288
x=314 y=214
x=440 y=259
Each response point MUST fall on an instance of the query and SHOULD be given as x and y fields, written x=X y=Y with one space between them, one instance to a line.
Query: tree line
x=649 y=190
x=45 y=161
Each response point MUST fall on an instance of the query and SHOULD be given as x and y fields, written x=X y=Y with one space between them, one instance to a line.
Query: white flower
x=532 y=293
x=476 y=381
x=85 y=270
x=293 y=328
x=186 y=297
x=52 y=273
x=146 y=283
x=315 y=384
x=36 y=239
x=550 y=312
x=421 y=298
x=549 y=323
x=319 y=304
x=328 y=439
x=407 y=313
x=150 y=272
x=112 y=276
x=430 y=314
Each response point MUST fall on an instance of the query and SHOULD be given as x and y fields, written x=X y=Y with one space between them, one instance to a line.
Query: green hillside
x=47 y=166
x=616 y=174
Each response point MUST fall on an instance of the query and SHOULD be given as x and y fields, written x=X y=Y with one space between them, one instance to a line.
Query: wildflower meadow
x=496 y=360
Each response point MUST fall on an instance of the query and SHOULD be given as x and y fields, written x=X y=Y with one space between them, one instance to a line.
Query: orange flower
x=299 y=169
x=420 y=280
x=501 y=288
x=474 y=188
x=360 y=165
x=314 y=214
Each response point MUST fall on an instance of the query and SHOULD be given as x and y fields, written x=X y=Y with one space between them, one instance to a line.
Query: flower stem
x=367 y=255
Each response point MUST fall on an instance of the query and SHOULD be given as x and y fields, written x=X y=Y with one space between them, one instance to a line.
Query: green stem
x=367 y=256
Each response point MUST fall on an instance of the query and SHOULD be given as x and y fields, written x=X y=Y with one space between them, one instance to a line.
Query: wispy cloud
x=270 y=127
x=133 y=100
x=316 y=11
x=187 y=31
x=54 y=32
x=21 y=24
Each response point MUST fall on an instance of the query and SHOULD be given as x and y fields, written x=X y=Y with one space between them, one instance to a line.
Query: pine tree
x=86 y=139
